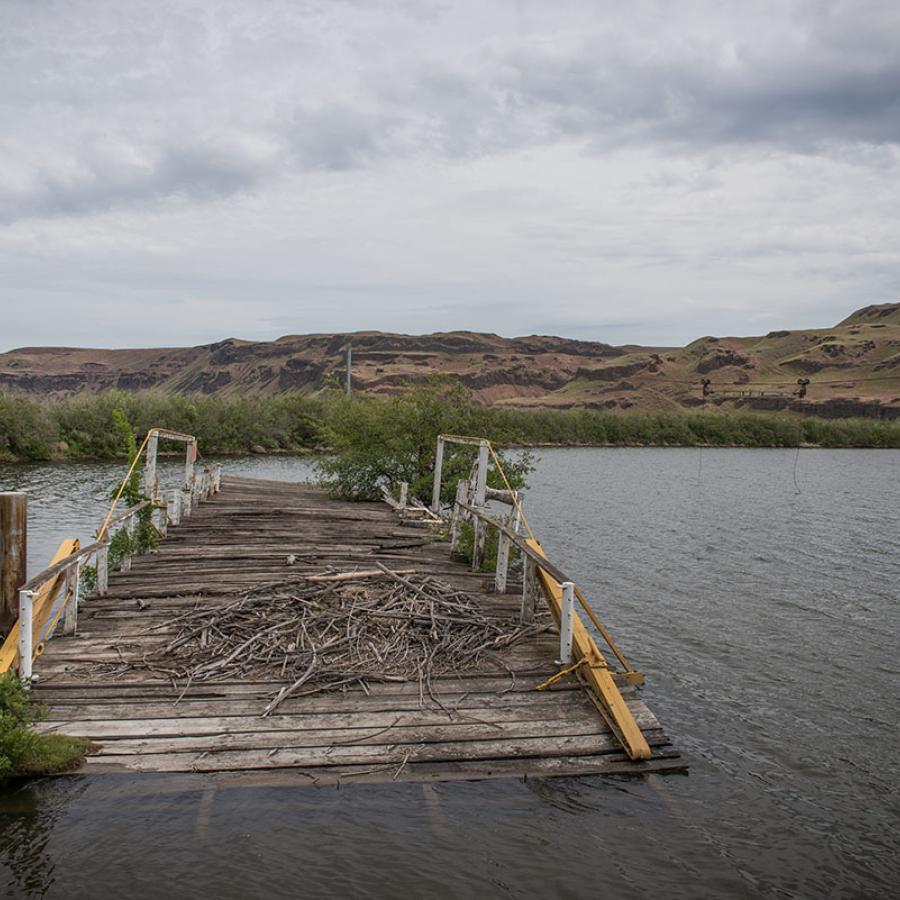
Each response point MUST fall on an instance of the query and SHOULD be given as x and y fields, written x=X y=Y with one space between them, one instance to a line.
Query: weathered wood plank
x=487 y=724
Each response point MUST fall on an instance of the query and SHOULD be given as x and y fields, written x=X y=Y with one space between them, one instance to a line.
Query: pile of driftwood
x=334 y=630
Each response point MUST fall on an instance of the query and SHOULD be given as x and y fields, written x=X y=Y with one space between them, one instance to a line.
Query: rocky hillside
x=852 y=368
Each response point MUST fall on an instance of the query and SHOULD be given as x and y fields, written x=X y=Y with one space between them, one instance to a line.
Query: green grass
x=24 y=752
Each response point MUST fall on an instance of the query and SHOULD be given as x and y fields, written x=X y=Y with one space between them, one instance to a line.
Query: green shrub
x=379 y=443
x=22 y=750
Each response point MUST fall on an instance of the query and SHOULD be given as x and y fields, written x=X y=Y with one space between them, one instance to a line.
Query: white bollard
x=26 y=639
x=404 y=494
x=567 y=620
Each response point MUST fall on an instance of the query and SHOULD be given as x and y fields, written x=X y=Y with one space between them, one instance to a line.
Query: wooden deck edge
x=664 y=762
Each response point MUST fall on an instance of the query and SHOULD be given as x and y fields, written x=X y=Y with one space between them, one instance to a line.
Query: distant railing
x=55 y=592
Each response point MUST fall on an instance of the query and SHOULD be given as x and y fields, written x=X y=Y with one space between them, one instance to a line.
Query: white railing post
x=70 y=618
x=404 y=494
x=102 y=563
x=502 y=564
x=186 y=498
x=173 y=507
x=567 y=614
x=190 y=457
x=458 y=514
x=438 y=466
x=162 y=514
x=125 y=563
x=218 y=479
x=481 y=477
x=150 y=465
x=26 y=639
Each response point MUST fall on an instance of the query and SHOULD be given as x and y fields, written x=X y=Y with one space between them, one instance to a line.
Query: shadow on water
x=764 y=610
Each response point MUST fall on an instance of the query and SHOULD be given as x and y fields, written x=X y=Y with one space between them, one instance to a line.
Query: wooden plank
x=384 y=736
x=225 y=760
x=486 y=724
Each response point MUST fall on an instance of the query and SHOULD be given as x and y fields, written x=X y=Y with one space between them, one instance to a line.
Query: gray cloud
x=829 y=80
x=575 y=150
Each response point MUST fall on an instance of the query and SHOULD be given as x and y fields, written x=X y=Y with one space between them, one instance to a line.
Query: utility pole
x=349 y=367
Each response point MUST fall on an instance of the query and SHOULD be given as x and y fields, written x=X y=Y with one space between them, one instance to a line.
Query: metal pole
x=26 y=641
x=13 y=554
x=567 y=619
x=349 y=373
x=150 y=465
x=438 y=466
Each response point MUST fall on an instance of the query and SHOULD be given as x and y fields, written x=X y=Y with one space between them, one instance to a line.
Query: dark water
x=757 y=589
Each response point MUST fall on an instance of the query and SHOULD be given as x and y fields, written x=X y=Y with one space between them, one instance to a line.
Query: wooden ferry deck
x=487 y=723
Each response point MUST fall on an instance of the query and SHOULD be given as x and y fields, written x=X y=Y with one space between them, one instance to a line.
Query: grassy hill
x=853 y=368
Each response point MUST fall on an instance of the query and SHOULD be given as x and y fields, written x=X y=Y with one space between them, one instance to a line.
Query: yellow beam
x=595 y=672
x=42 y=607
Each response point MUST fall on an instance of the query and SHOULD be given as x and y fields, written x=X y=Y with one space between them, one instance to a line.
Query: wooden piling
x=13 y=555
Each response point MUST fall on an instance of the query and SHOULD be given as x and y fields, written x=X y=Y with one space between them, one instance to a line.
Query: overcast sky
x=179 y=171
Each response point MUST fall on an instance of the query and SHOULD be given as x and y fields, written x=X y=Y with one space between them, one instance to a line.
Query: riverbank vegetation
x=83 y=426
x=24 y=752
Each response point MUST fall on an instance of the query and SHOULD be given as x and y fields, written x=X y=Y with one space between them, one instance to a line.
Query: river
x=758 y=589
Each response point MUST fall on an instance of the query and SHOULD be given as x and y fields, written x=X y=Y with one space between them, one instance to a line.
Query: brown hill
x=852 y=368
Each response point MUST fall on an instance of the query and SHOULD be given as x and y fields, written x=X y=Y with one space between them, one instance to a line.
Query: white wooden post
x=125 y=564
x=438 y=466
x=150 y=465
x=102 y=563
x=481 y=477
x=502 y=564
x=218 y=479
x=186 y=504
x=567 y=614
x=190 y=457
x=458 y=515
x=70 y=619
x=26 y=639
x=173 y=507
x=404 y=494
x=530 y=588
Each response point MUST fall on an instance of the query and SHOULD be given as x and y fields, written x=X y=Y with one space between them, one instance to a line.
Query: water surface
x=758 y=589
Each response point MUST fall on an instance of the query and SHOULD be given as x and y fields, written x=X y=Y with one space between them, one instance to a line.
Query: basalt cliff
x=852 y=368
